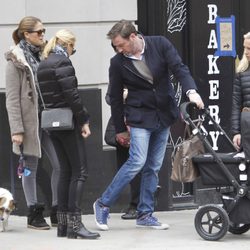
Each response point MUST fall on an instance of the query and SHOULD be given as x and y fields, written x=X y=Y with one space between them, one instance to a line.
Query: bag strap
x=187 y=132
x=40 y=95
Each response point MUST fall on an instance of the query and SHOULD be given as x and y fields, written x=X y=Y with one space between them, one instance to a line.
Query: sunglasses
x=39 y=32
x=73 y=49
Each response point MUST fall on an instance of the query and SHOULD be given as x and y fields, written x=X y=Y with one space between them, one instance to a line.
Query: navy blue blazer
x=147 y=103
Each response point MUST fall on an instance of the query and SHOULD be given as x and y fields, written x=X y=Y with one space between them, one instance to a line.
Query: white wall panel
x=82 y=10
x=118 y=9
x=6 y=43
x=12 y=11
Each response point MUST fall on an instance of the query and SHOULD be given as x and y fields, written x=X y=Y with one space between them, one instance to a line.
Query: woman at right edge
x=58 y=86
x=241 y=102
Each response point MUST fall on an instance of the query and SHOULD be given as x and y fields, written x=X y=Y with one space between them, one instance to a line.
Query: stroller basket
x=212 y=174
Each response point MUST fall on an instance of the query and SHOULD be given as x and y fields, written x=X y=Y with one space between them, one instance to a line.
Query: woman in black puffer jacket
x=58 y=85
x=241 y=101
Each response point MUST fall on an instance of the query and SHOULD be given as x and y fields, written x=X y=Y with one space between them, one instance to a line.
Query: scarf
x=59 y=50
x=32 y=55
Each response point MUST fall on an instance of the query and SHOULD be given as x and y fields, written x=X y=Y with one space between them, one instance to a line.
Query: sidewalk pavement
x=123 y=235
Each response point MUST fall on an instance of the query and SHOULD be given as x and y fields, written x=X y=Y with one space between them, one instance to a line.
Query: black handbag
x=110 y=134
x=55 y=118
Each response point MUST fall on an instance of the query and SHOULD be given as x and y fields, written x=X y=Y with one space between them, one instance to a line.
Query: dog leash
x=12 y=176
x=22 y=169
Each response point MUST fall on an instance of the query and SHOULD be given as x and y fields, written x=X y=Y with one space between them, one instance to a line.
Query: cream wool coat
x=22 y=102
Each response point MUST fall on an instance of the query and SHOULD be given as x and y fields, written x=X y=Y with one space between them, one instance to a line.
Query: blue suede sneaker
x=149 y=221
x=101 y=215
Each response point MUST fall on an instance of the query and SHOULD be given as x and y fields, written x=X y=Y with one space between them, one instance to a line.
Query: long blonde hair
x=244 y=63
x=62 y=37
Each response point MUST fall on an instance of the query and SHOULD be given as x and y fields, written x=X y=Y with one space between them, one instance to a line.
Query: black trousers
x=70 y=148
x=122 y=154
x=245 y=133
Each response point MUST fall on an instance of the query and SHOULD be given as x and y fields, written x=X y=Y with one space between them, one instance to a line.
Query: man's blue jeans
x=146 y=153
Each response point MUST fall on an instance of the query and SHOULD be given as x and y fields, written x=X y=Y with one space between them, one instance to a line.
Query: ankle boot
x=75 y=228
x=53 y=216
x=35 y=218
x=62 y=224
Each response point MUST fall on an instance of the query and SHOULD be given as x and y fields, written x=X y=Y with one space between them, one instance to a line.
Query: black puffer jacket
x=58 y=84
x=241 y=98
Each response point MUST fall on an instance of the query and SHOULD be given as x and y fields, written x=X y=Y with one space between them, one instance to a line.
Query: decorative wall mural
x=177 y=87
x=176 y=19
x=176 y=15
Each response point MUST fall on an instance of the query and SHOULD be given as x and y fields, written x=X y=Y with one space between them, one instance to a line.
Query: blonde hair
x=244 y=63
x=62 y=37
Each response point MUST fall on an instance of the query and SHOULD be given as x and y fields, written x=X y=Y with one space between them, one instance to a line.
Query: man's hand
x=123 y=139
x=195 y=97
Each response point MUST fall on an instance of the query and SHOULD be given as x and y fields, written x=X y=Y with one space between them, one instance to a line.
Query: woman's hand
x=17 y=139
x=86 y=130
x=237 y=141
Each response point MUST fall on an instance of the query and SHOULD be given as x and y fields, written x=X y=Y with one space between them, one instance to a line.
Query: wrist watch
x=191 y=91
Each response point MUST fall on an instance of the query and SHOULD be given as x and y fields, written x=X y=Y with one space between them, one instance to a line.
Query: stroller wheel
x=238 y=228
x=211 y=222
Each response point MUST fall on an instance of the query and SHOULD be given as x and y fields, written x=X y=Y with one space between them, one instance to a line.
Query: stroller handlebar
x=185 y=109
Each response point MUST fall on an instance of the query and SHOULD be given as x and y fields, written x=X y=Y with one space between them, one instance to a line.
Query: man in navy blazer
x=142 y=65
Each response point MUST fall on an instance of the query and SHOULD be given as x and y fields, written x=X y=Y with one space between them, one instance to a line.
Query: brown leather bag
x=183 y=169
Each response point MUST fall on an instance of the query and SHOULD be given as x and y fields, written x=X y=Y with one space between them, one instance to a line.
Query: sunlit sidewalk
x=122 y=235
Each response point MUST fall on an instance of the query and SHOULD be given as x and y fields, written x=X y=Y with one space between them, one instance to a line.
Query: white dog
x=7 y=205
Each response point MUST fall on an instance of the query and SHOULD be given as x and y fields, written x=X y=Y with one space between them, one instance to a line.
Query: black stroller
x=229 y=175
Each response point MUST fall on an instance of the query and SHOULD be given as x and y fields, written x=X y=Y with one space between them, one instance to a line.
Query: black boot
x=36 y=219
x=75 y=228
x=62 y=224
x=53 y=217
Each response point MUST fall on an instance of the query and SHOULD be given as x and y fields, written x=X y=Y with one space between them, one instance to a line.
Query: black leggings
x=70 y=148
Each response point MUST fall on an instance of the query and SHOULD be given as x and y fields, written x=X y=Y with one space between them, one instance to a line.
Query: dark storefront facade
x=191 y=26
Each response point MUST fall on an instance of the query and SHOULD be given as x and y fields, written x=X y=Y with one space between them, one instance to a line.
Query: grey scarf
x=32 y=55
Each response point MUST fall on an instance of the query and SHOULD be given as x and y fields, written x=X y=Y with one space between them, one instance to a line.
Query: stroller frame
x=212 y=221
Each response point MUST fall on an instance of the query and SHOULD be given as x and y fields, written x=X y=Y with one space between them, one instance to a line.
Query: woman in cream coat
x=22 y=107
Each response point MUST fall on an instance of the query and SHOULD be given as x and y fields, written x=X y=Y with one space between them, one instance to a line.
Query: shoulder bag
x=55 y=118
x=183 y=169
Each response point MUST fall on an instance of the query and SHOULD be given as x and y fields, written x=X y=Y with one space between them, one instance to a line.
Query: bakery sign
x=222 y=40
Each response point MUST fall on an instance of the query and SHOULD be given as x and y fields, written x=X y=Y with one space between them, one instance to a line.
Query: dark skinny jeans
x=70 y=148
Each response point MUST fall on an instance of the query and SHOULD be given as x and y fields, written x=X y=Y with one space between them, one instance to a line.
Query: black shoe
x=130 y=214
x=53 y=217
x=36 y=219
x=76 y=229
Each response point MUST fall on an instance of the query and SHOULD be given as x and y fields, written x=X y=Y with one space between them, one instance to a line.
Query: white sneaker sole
x=161 y=227
x=102 y=227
